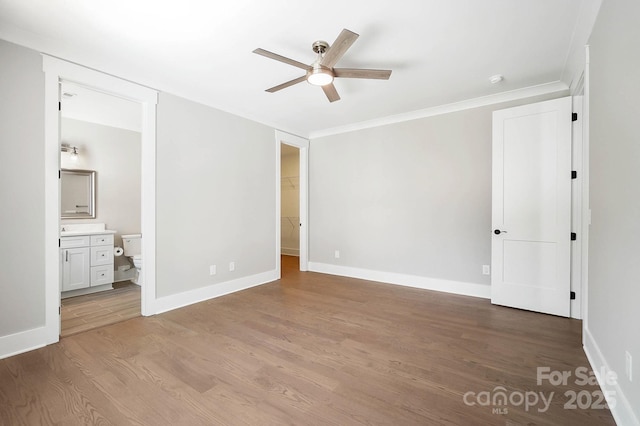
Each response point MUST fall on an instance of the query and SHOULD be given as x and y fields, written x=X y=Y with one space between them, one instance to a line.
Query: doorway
x=57 y=70
x=292 y=153
x=289 y=206
x=101 y=134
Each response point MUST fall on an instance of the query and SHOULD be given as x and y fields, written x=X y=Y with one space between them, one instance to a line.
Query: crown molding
x=527 y=92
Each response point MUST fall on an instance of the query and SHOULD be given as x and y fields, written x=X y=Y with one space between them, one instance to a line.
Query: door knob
x=498 y=232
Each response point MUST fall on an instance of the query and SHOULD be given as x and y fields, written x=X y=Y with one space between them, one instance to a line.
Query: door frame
x=57 y=70
x=578 y=250
x=303 y=145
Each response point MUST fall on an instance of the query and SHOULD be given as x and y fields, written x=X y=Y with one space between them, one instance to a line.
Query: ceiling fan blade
x=287 y=84
x=361 y=73
x=338 y=48
x=331 y=92
x=281 y=59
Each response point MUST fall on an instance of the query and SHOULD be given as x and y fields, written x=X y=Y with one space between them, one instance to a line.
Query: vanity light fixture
x=72 y=150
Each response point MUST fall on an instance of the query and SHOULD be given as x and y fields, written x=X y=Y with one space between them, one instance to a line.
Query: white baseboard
x=175 y=301
x=24 y=341
x=620 y=408
x=426 y=283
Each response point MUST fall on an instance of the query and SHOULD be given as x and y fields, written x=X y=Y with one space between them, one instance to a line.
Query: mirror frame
x=91 y=174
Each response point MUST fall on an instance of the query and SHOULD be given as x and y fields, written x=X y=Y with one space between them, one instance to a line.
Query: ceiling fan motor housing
x=320 y=46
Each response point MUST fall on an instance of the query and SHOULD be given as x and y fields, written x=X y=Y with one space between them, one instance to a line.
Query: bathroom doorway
x=56 y=70
x=99 y=133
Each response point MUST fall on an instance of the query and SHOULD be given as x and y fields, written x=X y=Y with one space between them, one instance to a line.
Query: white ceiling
x=440 y=51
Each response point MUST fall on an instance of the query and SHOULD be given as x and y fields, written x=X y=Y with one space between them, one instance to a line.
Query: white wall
x=215 y=200
x=21 y=189
x=613 y=314
x=412 y=198
x=215 y=196
x=290 y=202
x=115 y=155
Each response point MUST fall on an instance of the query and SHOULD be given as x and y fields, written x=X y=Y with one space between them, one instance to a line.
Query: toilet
x=132 y=245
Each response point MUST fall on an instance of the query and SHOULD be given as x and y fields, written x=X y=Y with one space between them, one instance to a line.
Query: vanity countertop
x=75 y=233
x=75 y=229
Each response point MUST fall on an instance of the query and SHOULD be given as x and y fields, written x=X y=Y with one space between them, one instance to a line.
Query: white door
x=531 y=208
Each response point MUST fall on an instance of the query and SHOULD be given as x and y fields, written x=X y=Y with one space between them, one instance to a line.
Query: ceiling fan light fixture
x=319 y=76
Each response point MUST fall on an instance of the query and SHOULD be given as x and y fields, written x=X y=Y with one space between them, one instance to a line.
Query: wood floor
x=310 y=349
x=82 y=313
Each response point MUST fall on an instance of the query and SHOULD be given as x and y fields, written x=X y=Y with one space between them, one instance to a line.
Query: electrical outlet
x=232 y=266
x=212 y=269
x=486 y=270
x=628 y=365
x=337 y=254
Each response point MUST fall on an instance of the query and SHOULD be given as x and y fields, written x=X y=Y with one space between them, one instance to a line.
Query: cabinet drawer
x=76 y=241
x=101 y=275
x=102 y=240
x=101 y=255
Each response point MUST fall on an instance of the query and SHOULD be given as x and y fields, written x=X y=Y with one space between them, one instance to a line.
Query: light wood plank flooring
x=82 y=313
x=309 y=349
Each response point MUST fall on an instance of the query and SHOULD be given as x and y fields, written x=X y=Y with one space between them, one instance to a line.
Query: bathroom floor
x=82 y=313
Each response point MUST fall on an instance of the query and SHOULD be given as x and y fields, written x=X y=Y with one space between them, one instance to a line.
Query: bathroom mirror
x=78 y=194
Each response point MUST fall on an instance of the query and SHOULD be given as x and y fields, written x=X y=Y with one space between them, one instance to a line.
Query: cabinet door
x=75 y=268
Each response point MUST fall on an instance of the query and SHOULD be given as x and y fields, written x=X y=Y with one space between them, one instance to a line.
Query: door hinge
x=572 y=295
x=59 y=174
x=574 y=116
x=574 y=174
x=59 y=310
x=573 y=236
x=58 y=242
x=59 y=106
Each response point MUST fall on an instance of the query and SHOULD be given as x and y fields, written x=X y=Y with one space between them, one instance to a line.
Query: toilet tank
x=132 y=244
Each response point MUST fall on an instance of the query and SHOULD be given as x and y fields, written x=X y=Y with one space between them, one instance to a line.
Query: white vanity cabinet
x=74 y=264
x=86 y=261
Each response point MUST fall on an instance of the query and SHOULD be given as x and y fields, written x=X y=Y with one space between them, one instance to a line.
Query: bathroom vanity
x=86 y=259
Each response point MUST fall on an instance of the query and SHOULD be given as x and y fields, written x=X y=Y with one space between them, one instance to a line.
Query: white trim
x=577 y=87
x=148 y=207
x=51 y=207
x=527 y=92
x=175 y=301
x=303 y=145
x=576 y=207
x=97 y=80
x=619 y=405
x=57 y=70
x=278 y=203
x=425 y=283
x=24 y=341
x=573 y=67
x=586 y=209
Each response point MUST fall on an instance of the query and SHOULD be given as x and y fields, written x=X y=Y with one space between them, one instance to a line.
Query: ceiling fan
x=321 y=72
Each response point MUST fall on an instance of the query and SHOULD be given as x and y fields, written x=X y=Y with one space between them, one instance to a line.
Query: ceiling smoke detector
x=495 y=79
